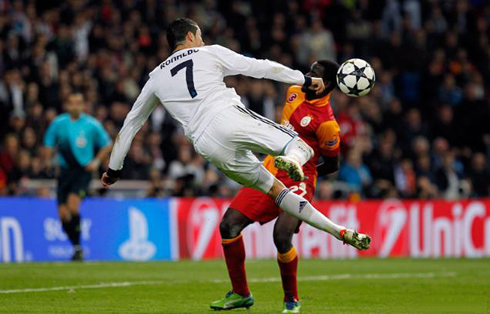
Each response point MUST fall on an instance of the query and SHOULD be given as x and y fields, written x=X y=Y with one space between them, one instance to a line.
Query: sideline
x=254 y=280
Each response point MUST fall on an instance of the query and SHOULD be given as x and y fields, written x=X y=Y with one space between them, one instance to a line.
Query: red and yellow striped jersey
x=316 y=125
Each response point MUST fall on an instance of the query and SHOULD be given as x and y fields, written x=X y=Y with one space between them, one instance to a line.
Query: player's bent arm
x=233 y=63
x=142 y=108
x=329 y=165
x=104 y=152
x=100 y=157
x=47 y=153
x=328 y=136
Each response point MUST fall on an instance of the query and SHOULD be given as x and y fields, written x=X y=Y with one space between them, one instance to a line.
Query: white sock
x=300 y=208
x=299 y=150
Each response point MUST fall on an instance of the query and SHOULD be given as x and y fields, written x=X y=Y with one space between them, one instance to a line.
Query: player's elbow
x=329 y=166
x=329 y=169
x=334 y=168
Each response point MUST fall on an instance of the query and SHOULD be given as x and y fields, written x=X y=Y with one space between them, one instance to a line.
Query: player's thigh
x=256 y=205
x=240 y=165
x=81 y=183
x=64 y=186
x=261 y=135
x=247 y=170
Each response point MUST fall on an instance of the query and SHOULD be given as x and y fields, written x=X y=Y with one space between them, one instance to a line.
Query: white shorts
x=231 y=137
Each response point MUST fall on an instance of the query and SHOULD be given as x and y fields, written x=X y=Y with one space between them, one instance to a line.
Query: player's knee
x=232 y=223
x=229 y=228
x=73 y=203
x=64 y=213
x=277 y=187
x=283 y=241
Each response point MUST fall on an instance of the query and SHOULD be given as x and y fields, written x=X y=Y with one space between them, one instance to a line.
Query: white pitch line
x=352 y=276
x=253 y=280
x=97 y=286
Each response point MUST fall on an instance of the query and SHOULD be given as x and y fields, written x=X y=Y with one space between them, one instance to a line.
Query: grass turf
x=328 y=286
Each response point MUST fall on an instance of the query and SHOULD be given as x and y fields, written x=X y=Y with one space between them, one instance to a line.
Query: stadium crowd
x=422 y=132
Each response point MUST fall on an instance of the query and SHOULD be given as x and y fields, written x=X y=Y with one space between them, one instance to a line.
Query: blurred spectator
x=479 y=176
x=405 y=178
x=137 y=163
x=187 y=168
x=383 y=161
x=316 y=43
x=354 y=172
x=324 y=191
x=449 y=92
x=156 y=186
x=448 y=180
x=425 y=188
x=429 y=105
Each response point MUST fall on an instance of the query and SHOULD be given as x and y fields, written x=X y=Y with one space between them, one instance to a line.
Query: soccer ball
x=355 y=77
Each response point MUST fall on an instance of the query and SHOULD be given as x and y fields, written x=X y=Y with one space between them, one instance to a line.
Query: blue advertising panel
x=129 y=229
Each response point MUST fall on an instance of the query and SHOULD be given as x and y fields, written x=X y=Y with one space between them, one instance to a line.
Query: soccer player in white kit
x=189 y=84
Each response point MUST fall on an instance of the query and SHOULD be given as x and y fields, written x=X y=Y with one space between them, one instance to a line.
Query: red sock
x=288 y=264
x=234 y=250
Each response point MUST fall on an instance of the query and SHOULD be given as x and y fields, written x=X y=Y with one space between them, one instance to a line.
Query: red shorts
x=260 y=207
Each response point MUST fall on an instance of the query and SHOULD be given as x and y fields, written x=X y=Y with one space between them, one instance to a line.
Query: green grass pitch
x=326 y=286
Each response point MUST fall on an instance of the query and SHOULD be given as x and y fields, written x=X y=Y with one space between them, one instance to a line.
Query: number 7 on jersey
x=189 y=75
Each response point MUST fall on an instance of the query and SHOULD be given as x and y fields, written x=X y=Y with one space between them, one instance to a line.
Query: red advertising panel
x=198 y=227
x=398 y=228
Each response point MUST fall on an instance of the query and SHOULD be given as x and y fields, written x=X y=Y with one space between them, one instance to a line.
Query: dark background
x=422 y=132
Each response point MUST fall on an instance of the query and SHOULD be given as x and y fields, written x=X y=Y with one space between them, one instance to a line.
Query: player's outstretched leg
x=287 y=259
x=231 y=226
x=296 y=154
x=303 y=210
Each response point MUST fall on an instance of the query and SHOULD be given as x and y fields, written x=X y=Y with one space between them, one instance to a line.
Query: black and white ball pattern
x=355 y=77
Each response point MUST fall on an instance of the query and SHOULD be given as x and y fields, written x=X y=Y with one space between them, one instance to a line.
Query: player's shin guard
x=300 y=208
x=288 y=264
x=299 y=150
x=234 y=251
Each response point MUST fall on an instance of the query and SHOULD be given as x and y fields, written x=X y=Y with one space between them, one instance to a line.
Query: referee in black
x=82 y=144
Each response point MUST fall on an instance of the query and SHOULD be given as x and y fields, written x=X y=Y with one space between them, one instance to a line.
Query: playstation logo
x=137 y=247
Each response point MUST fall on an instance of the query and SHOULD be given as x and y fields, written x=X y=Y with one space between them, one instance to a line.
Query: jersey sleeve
x=233 y=63
x=294 y=98
x=328 y=135
x=142 y=108
x=102 y=138
x=50 y=136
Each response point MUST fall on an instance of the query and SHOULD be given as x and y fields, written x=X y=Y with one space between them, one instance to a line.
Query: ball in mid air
x=355 y=77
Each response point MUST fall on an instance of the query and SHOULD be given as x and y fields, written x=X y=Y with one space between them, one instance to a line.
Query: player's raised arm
x=142 y=108
x=233 y=63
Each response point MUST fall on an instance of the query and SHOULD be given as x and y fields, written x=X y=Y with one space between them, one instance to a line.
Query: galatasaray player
x=311 y=116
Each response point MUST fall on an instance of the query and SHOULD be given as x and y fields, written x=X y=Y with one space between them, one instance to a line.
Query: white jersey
x=189 y=84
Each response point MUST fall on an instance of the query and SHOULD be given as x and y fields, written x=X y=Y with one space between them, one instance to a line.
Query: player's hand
x=107 y=181
x=317 y=85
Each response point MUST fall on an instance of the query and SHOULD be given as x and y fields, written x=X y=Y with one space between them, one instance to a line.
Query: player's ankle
x=288 y=298
x=341 y=234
